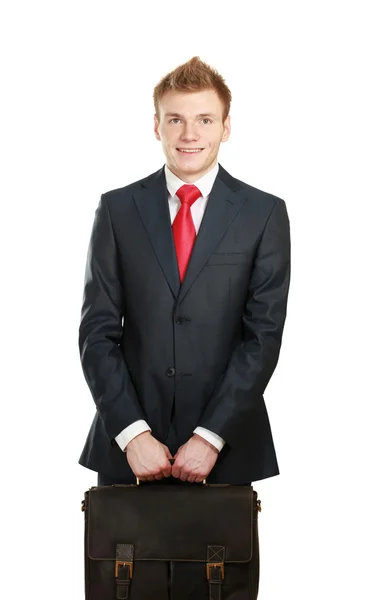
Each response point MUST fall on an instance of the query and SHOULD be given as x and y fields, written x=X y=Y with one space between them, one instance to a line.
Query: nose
x=190 y=132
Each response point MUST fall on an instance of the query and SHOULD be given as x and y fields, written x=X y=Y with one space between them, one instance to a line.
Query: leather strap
x=123 y=570
x=215 y=570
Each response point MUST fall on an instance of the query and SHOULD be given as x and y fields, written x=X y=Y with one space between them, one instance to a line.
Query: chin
x=193 y=167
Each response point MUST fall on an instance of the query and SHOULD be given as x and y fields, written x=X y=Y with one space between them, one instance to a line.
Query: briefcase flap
x=170 y=522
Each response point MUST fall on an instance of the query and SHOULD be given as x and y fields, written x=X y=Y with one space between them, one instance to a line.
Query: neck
x=190 y=177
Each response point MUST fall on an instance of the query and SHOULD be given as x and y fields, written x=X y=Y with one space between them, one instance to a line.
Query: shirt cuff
x=211 y=437
x=130 y=432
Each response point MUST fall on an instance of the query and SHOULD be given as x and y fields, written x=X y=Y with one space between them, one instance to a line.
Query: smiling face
x=191 y=130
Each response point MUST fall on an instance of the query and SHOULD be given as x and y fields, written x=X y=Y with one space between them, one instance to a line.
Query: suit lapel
x=223 y=206
x=152 y=203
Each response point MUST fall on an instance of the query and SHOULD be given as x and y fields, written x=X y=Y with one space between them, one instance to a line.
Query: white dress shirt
x=205 y=185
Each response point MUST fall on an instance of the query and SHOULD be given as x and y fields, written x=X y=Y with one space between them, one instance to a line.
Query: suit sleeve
x=254 y=359
x=101 y=330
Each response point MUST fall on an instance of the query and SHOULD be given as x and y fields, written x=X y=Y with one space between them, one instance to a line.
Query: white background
x=77 y=118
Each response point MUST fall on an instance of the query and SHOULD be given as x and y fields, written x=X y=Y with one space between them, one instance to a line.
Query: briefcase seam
x=198 y=560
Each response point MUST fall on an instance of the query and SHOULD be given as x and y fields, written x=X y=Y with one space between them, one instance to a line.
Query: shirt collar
x=204 y=184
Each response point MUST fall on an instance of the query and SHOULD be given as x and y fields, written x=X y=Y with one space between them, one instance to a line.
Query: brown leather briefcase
x=171 y=542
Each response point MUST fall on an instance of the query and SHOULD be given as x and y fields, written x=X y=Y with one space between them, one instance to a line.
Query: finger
x=159 y=476
x=175 y=472
x=167 y=450
x=192 y=479
x=166 y=469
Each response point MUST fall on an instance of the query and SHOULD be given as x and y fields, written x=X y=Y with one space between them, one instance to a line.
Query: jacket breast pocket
x=227 y=258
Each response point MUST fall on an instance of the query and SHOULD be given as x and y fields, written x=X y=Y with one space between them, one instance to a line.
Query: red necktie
x=183 y=227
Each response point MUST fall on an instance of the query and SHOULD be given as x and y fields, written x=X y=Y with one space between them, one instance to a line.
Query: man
x=185 y=299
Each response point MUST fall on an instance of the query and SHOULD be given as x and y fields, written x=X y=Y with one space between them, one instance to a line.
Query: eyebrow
x=172 y=114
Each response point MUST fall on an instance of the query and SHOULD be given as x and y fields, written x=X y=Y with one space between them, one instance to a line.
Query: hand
x=194 y=460
x=148 y=458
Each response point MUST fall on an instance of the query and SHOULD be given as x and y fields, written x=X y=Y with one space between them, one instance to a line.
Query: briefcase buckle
x=221 y=567
x=123 y=563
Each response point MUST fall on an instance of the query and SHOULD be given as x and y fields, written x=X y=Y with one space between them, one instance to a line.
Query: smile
x=190 y=150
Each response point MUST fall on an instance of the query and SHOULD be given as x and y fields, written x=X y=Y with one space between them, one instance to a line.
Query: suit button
x=181 y=320
x=170 y=372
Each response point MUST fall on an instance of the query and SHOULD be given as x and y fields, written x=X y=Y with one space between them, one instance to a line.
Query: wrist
x=135 y=438
x=207 y=443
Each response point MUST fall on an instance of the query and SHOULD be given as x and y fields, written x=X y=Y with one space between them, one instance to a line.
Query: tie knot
x=188 y=194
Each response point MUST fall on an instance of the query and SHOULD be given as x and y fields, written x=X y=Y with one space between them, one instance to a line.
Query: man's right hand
x=148 y=458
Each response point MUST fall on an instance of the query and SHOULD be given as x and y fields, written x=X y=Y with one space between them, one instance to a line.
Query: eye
x=174 y=119
x=206 y=119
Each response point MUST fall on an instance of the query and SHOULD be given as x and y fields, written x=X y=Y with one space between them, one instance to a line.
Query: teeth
x=189 y=151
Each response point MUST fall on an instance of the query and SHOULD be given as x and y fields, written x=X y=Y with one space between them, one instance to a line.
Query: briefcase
x=171 y=542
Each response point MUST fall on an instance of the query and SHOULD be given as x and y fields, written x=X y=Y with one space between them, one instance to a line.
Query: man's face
x=191 y=121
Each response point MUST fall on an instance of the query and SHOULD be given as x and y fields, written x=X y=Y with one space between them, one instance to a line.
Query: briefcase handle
x=172 y=460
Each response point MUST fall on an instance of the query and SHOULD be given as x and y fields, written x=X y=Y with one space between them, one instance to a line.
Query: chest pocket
x=227 y=258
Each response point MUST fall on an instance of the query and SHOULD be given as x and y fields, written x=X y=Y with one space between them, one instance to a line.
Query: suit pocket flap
x=227 y=258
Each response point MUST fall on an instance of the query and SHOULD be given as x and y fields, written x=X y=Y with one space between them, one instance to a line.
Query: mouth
x=190 y=150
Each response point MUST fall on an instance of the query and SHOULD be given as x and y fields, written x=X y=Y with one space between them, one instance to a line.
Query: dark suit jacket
x=209 y=345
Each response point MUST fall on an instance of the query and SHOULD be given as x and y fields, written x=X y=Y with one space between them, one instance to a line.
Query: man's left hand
x=194 y=460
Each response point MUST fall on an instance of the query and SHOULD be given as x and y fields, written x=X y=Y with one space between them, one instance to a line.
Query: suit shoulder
x=261 y=202
x=252 y=194
x=122 y=193
x=260 y=196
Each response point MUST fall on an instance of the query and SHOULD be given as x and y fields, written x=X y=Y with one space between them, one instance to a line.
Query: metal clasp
x=219 y=565
x=122 y=563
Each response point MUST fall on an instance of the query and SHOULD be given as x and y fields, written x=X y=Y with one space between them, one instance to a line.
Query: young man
x=185 y=299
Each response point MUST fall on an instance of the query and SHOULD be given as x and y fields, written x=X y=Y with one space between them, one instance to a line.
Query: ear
x=226 y=129
x=156 y=126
